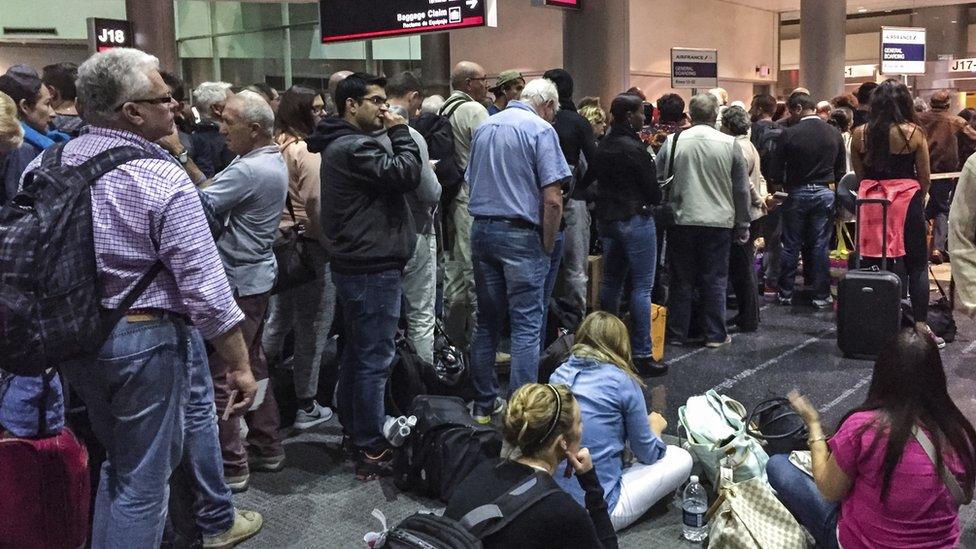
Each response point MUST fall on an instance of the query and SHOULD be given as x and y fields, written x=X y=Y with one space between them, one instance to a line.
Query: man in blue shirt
x=516 y=172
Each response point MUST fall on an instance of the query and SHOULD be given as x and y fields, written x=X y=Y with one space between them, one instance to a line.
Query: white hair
x=539 y=92
x=703 y=108
x=109 y=79
x=255 y=109
x=207 y=94
x=432 y=104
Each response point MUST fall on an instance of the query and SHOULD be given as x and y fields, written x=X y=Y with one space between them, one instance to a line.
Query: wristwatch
x=182 y=157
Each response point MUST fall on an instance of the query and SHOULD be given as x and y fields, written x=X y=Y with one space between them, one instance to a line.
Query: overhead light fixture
x=862 y=10
x=952 y=21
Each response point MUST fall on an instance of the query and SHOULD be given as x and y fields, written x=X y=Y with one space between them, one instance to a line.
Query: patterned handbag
x=749 y=516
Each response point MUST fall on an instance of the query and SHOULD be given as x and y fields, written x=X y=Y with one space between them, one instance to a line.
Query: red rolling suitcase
x=44 y=492
x=868 y=300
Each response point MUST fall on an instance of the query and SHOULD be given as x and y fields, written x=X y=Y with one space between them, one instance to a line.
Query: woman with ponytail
x=601 y=375
x=542 y=427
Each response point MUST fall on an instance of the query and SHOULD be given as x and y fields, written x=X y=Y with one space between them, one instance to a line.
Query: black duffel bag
x=778 y=426
x=293 y=252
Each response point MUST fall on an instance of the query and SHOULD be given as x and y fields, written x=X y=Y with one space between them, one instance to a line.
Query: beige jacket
x=464 y=121
x=304 y=188
x=757 y=183
x=962 y=239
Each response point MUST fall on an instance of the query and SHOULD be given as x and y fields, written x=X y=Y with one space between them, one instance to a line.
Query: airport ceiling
x=853 y=6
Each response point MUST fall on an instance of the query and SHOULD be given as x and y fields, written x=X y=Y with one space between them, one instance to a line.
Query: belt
x=512 y=221
x=148 y=313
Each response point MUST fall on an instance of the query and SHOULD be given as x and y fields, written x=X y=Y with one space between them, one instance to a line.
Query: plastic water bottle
x=694 y=505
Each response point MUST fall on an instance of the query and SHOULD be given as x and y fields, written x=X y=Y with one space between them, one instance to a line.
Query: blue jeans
x=807 y=224
x=213 y=508
x=136 y=392
x=798 y=493
x=555 y=260
x=699 y=261
x=510 y=268
x=370 y=311
x=630 y=246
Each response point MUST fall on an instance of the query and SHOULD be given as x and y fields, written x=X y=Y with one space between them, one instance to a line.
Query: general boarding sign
x=343 y=20
x=694 y=68
x=902 y=50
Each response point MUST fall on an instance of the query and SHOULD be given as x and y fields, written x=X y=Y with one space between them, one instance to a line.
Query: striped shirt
x=148 y=210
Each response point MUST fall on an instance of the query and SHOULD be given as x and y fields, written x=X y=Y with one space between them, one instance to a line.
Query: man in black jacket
x=369 y=234
x=811 y=156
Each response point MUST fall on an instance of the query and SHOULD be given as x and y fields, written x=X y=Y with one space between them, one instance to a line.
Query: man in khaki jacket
x=962 y=239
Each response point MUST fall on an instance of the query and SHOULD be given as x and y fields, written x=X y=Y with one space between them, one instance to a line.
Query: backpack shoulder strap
x=452 y=105
x=487 y=519
x=958 y=495
x=51 y=157
x=106 y=161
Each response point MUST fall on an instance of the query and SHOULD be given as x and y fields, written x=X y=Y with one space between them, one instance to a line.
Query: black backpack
x=444 y=447
x=49 y=298
x=439 y=135
x=767 y=143
x=429 y=531
x=778 y=426
x=409 y=377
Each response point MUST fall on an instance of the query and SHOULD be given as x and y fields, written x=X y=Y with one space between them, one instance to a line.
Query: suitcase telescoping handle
x=884 y=229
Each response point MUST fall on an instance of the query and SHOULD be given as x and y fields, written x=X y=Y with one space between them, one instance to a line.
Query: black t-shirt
x=555 y=521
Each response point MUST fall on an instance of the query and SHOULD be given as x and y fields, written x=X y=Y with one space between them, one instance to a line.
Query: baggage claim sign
x=902 y=50
x=343 y=20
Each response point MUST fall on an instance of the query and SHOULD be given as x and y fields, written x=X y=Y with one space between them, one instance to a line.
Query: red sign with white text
x=343 y=20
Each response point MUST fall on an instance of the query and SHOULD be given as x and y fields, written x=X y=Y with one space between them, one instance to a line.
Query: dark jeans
x=807 y=224
x=743 y=280
x=555 y=261
x=699 y=260
x=262 y=423
x=798 y=493
x=913 y=269
x=630 y=246
x=510 y=268
x=370 y=312
x=937 y=209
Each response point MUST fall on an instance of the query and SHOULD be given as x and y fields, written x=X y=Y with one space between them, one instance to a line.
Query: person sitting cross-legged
x=600 y=373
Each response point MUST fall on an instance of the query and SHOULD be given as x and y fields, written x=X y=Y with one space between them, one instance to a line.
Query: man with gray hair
x=248 y=198
x=142 y=390
x=466 y=111
x=709 y=194
x=516 y=174
x=210 y=152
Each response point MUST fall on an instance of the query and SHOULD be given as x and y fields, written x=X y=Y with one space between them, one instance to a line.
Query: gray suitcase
x=868 y=300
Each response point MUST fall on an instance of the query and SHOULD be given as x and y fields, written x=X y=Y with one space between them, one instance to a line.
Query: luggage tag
x=725 y=472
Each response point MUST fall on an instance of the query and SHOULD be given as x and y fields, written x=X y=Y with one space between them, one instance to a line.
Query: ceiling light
x=862 y=10
x=953 y=21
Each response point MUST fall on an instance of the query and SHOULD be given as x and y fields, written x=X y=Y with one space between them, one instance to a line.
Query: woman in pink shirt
x=873 y=484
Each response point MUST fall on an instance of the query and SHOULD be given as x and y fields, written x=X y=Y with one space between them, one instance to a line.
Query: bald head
x=470 y=78
x=334 y=80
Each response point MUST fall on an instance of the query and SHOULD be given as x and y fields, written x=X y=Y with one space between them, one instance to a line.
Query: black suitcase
x=868 y=300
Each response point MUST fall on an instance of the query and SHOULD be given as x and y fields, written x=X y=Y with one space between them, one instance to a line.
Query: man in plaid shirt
x=144 y=384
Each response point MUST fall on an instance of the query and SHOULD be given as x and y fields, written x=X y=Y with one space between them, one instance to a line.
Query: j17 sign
x=343 y=20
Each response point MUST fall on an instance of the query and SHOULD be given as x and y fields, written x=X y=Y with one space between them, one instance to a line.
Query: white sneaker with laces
x=318 y=414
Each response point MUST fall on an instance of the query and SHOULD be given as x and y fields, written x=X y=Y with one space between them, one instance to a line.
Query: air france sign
x=902 y=50
x=694 y=68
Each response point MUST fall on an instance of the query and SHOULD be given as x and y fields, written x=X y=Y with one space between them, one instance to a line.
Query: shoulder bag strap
x=958 y=495
x=674 y=145
x=452 y=106
x=487 y=519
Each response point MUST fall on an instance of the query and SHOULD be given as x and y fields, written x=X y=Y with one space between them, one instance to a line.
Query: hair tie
x=555 y=418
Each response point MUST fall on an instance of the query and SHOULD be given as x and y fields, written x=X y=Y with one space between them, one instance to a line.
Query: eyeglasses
x=377 y=100
x=164 y=100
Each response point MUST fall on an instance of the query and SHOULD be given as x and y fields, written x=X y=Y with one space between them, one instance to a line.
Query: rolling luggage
x=44 y=492
x=868 y=300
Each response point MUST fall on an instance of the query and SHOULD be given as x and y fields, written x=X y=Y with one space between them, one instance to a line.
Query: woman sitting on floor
x=542 y=424
x=600 y=373
x=874 y=484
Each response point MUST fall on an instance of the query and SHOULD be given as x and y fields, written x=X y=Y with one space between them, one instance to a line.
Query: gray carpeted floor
x=316 y=502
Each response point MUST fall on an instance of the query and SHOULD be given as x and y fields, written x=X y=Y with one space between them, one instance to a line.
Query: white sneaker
x=824 y=303
x=307 y=420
